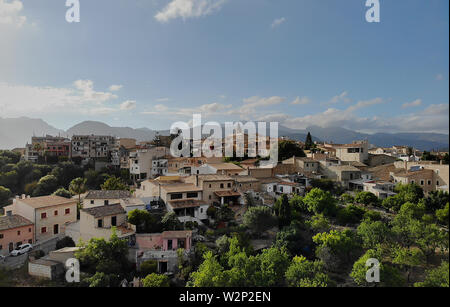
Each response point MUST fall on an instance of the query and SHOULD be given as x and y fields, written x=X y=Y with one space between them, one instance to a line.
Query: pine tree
x=308 y=142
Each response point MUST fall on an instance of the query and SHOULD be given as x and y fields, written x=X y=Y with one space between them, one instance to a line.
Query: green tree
x=373 y=233
x=442 y=215
x=367 y=198
x=144 y=221
x=170 y=221
x=259 y=219
x=46 y=186
x=113 y=184
x=288 y=149
x=78 y=187
x=304 y=273
x=63 y=193
x=273 y=265
x=336 y=248
x=308 y=141
x=436 y=200
x=351 y=214
x=438 y=277
x=148 y=267
x=156 y=281
x=319 y=223
x=5 y=195
x=65 y=242
x=283 y=211
x=101 y=280
x=407 y=259
x=225 y=214
x=290 y=238
x=389 y=276
x=209 y=274
x=319 y=201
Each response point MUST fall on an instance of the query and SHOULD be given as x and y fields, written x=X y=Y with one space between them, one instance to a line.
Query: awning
x=228 y=193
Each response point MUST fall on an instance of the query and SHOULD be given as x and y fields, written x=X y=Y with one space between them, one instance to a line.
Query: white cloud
x=188 y=9
x=301 y=101
x=20 y=100
x=411 y=104
x=277 y=22
x=10 y=13
x=343 y=97
x=115 y=88
x=128 y=105
x=162 y=99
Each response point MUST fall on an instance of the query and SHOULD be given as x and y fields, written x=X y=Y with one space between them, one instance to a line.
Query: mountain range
x=16 y=132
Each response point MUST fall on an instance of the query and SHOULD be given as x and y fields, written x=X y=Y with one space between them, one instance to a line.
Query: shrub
x=65 y=242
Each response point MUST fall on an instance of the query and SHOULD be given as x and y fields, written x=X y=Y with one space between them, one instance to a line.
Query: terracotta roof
x=102 y=211
x=176 y=234
x=13 y=221
x=405 y=173
x=181 y=187
x=382 y=172
x=225 y=166
x=292 y=184
x=46 y=201
x=227 y=193
x=214 y=178
x=107 y=194
x=243 y=179
x=189 y=203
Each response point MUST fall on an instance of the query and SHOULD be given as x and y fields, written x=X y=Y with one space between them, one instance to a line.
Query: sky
x=149 y=63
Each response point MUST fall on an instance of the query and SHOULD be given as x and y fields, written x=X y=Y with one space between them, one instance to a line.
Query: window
x=192 y=195
x=56 y=212
x=30 y=241
x=176 y=196
x=1 y=247
x=100 y=223
x=1 y=236
x=229 y=185
x=18 y=232
x=422 y=182
x=29 y=229
x=201 y=210
x=209 y=196
x=412 y=181
x=43 y=215
x=114 y=221
x=106 y=202
x=92 y=201
x=429 y=182
x=221 y=185
x=67 y=211
x=437 y=183
x=43 y=229
x=209 y=186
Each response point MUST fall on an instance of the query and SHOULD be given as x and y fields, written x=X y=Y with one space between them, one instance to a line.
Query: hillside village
x=311 y=220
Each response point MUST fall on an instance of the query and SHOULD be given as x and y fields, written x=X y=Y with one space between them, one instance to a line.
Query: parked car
x=2 y=258
x=22 y=249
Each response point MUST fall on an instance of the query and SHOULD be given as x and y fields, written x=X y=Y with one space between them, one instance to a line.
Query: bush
x=367 y=198
x=148 y=267
x=156 y=280
x=350 y=215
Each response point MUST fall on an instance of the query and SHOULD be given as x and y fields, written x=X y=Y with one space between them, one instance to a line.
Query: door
x=55 y=229
x=114 y=221
x=169 y=245
x=162 y=267
x=11 y=247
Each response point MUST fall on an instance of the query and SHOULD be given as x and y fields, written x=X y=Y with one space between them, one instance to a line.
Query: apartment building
x=97 y=198
x=141 y=162
x=439 y=174
x=49 y=214
x=93 y=146
x=357 y=151
x=47 y=146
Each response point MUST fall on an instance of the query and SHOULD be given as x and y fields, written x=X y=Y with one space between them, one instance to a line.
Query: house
x=95 y=198
x=159 y=167
x=51 y=266
x=185 y=199
x=217 y=189
x=141 y=162
x=162 y=248
x=440 y=176
x=99 y=222
x=246 y=183
x=381 y=189
x=422 y=177
x=304 y=164
x=132 y=203
x=49 y=214
x=342 y=173
x=47 y=146
x=15 y=230
x=357 y=151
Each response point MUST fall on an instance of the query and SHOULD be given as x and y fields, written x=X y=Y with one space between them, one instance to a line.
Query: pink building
x=166 y=241
x=15 y=230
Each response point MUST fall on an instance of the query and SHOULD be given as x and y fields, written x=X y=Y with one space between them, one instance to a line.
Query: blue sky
x=148 y=63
